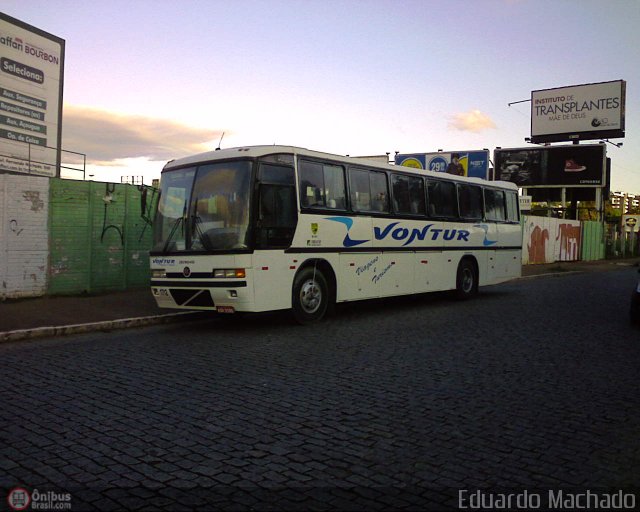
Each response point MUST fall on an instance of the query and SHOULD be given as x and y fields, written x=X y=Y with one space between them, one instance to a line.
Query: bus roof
x=260 y=151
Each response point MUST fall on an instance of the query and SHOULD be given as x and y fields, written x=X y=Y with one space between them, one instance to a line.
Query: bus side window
x=379 y=191
x=470 y=202
x=512 y=207
x=408 y=194
x=417 y=195
x=311 y=184
x=494 y=204
x=359 y=188
x=321 y=185
x=369 y=191
x=443 y=201
x=334 y=187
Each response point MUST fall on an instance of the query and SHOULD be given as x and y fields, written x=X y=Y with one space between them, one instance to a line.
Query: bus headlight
x=230 y=273
x=158 y=274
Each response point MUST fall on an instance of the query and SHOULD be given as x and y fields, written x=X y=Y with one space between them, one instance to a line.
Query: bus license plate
x=225 y=309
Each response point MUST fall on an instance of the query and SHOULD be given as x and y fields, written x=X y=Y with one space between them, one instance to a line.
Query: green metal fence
x=100 y=236
x=593 y=244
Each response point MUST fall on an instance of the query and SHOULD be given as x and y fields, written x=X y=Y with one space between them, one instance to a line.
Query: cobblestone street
x=394 y=404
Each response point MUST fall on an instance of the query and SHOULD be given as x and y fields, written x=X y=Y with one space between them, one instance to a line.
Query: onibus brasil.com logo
x=20 y=498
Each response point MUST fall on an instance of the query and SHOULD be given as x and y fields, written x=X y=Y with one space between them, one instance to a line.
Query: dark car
x=634 y=310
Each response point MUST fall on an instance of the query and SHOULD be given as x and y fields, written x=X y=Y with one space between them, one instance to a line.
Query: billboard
x=31 y=79
x=631 y=223
x=563 y=166
x=578 y=112
x=474 y=164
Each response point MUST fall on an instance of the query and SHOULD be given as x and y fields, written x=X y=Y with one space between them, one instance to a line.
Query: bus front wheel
x=466 y=280
x=310 y=296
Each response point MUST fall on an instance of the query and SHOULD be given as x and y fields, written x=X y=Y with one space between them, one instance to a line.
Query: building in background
x=625 y=202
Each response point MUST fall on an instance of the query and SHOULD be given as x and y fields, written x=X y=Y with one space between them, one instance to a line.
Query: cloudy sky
x=147 y=81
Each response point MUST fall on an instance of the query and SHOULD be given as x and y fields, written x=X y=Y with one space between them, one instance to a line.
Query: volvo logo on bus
x=186 y=272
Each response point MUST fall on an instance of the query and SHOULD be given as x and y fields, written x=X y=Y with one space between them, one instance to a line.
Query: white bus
x=266 y=228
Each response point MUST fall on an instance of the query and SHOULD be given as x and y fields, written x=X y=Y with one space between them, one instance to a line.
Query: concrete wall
x=67 y=237
x=24 y=235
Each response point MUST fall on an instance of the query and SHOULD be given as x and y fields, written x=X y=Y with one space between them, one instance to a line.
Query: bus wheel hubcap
x=467 y=280
x=310 y=296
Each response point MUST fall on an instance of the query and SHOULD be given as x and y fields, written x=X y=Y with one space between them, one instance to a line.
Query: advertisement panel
x=578 y=112
x=631 y=223
x=474 y=164
x=31 y=79
x=569 y=166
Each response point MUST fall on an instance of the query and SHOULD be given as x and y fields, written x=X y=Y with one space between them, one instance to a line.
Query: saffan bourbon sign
x=31 y=79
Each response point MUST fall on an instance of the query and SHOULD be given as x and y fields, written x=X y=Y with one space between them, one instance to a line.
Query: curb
x=594 y=267
x=62 y=330
x=553 y=274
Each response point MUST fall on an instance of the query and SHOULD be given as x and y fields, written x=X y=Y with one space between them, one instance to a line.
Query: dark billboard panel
x=578 y=112
x=573 y=165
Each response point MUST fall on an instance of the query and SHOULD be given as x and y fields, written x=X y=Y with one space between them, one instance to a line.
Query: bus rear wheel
x=466 y=280
x=310 y=296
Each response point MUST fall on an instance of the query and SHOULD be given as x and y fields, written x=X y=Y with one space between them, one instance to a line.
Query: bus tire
x=310 y=298
x=466 y=280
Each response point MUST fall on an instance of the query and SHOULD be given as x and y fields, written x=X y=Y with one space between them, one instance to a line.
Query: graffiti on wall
x=146 y=207
x=15 y=227
x=547 y=240
x=537 y=245
x=33 y=196
x=568 y=237
x=147 y=197
x=107 y=199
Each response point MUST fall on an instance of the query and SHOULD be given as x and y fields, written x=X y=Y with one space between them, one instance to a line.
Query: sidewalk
x=52 y=316
x=561 y=267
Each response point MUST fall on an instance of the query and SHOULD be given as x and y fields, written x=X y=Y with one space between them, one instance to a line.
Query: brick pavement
x=390 y=405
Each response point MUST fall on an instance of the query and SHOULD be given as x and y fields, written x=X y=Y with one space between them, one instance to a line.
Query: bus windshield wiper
x=178 y=222
x=197 y=230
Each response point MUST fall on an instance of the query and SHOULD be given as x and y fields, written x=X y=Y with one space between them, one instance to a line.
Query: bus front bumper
x=224 y=297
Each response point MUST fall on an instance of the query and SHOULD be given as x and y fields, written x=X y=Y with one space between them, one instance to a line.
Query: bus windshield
x=204 y=208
